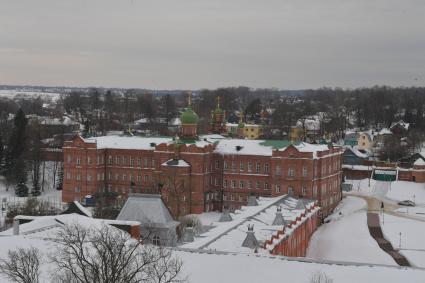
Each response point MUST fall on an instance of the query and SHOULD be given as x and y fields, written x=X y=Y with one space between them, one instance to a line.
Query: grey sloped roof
x=149 y=210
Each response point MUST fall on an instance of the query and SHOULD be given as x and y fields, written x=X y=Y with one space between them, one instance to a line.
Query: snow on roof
x=314 y=148
x=212 y=137
x=246 y=147
x=385 y=131
x=400 y=123
x=121 y=142
x=262 y=147
x=419 y=162
x=386 y=172
x=83 y=209
x=224 y=145
x=176 y=163
x=356 y=152
x=310 y=124
x=148 y=210
x=47 y=226
x=229 y=236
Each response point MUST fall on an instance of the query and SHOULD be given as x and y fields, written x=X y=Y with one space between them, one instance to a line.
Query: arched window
x=155 y=240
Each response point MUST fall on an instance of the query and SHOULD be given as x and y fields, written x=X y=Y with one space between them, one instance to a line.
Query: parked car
x=406 y=203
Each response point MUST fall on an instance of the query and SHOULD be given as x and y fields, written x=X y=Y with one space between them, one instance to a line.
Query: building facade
x=196 y=174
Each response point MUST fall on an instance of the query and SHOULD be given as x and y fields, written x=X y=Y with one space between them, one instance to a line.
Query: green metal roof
x=187 y=141
x=189 y=117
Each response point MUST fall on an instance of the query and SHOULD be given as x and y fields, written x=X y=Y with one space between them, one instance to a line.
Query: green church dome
x=189 y=117
x=218 y=111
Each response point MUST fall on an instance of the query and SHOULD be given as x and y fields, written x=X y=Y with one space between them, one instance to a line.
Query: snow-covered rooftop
x=262 y=147
x=419 y=162
x=224 y=145
x=356 y=152
x=176 y=163
x=121 y=142
x=400 y=123
x=147 y=209
x=229 y=236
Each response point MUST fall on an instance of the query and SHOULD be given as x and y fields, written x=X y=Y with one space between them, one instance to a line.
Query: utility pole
x=399 y=244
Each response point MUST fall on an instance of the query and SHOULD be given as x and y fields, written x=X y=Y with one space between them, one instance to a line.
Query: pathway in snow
x=408 y=220
x=374 y=224
x=346 y=237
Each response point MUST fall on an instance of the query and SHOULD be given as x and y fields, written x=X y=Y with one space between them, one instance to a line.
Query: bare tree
x=22 y=265
x=107 y=254
x=320 y=277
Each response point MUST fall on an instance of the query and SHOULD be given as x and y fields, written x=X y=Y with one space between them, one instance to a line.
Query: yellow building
x=296 y=134
x=251 y=131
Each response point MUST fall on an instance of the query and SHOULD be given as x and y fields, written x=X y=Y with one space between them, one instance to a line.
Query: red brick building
x=196 y=174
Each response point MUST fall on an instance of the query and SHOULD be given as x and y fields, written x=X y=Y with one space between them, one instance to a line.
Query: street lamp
x=399 y=244
x=382 y=207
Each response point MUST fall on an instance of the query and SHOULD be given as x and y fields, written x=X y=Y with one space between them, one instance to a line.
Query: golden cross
x=189 y=99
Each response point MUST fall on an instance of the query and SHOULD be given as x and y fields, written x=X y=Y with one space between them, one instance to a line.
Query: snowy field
x=15 y=94
x=211 y=268
x=412 y=237
x=390 y=191
x=402 y=190
x=346 y=237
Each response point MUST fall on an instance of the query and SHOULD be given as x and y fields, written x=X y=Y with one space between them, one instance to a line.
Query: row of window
x=116 y=177
x=233 y=198
x=291 y=171
x=242 y=166
x=242 y=184
x=117 y=160
x=291 y=190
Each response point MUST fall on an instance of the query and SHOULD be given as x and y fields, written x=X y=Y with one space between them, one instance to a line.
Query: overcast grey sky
x=189 y=44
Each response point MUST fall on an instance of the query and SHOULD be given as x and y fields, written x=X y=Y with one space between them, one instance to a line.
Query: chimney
x=15 y=226
x=189 y=235
x=278 y=220
x=252 y=201
x=250 y=240
x=225 y=216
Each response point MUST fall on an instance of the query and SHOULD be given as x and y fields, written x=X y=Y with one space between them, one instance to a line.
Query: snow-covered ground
x=412 y=237
x=402 y=190
x=49 y=194
x=413 y=230
x=346 y=237
x=211 y=268
x=390 y=191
